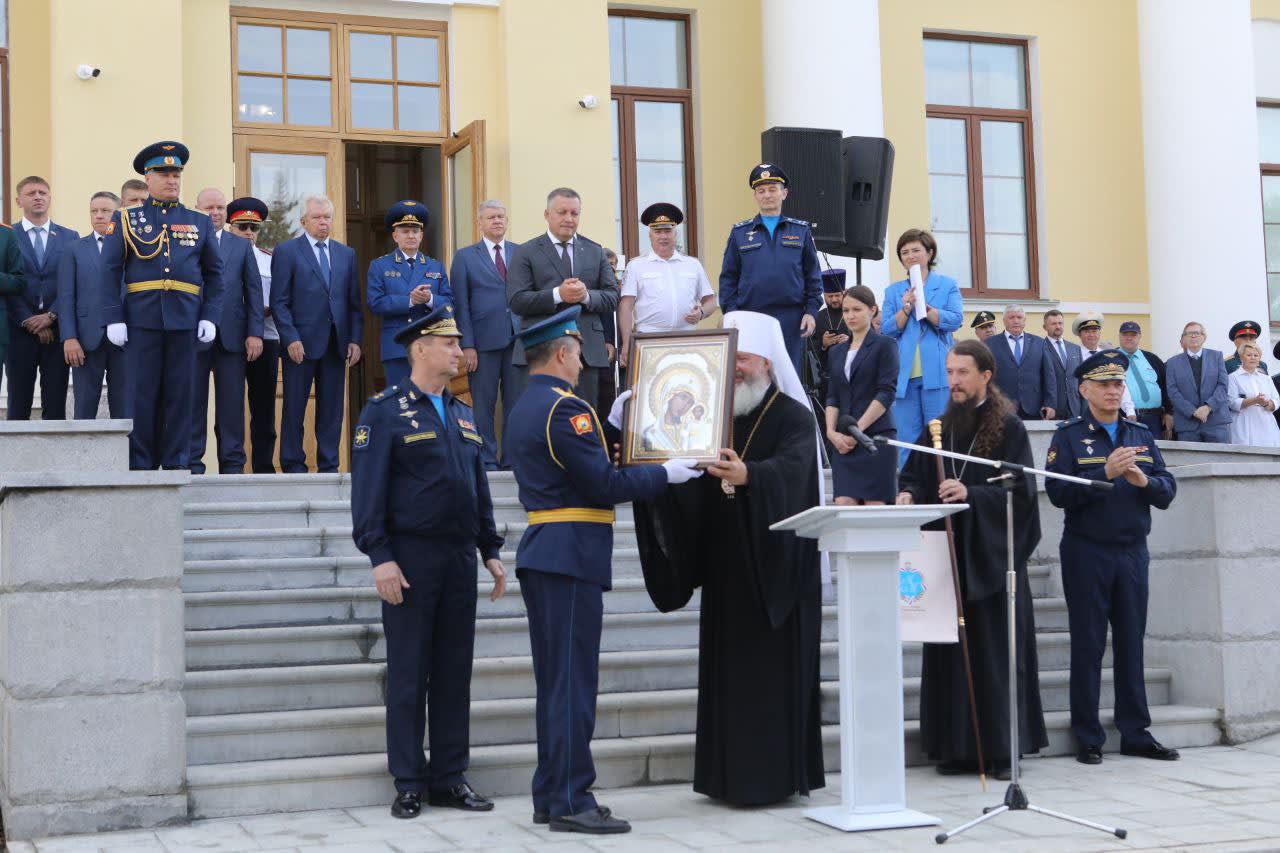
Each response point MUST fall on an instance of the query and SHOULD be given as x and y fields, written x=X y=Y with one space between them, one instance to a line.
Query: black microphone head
x=844 y=422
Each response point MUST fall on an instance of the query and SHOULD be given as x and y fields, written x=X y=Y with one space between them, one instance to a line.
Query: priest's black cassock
x=945 y=730
x=759 y=736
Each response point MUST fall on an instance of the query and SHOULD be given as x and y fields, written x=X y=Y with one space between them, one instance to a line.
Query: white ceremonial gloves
x=205 y=331
x=680 y=470
x=118 y=333
x=615 y=411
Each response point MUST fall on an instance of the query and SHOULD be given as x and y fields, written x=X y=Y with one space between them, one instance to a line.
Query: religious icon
x=682 y=405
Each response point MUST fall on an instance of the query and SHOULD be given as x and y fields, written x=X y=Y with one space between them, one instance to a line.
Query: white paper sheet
x=917 y=282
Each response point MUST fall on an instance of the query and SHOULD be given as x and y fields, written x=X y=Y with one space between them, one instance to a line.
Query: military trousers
x=159 y=367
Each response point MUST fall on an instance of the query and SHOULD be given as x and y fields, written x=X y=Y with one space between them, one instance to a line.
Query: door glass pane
x=1002 y=149
x=371 y=56
x=258 y=48
x=309 y=102
x=998 y=78
x=419 y=108
x=308 y=52
x=655 y=53
x=660 y=173
x=1271 y=198
x=261 y=99
x=371 y=105
x=949 y=193
x=617 y=172
x=462 y=196
x=417 y=59
x=1272 y=233
x=949 y=202
x=1007 y=262
x=946 y=72
x=1273 y=292
x=617 y=52
x=953 y=256
x=282 y=181
x=658 y=181
x=1269 y=134
x=948 y=149
x=1004 y=205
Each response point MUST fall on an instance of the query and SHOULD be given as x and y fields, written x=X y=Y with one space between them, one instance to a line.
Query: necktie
x=499 y=262
x=1062 y=354
x=1017 y=349
x=1138 y=380
x=325 y=272
x=37 y=242
x=566 y=252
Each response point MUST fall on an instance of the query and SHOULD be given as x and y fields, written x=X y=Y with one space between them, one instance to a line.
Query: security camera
x=87 y=72
x=588 y=102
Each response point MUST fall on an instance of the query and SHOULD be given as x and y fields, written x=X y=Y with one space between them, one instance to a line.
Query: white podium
x=864 y=543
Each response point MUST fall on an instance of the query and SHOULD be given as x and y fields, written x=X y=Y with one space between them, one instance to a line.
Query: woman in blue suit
x=922 y=344
x=864 y=379
x=404 y=284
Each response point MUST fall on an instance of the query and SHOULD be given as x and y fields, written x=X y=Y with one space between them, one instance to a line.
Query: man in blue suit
x=404 y=285
x=315 y=299
x=33 y=313
x=479 y=280
x=239 y=342
x=83 y=326
x=1024 y=367
x=1066 y=358
x=1196 y=380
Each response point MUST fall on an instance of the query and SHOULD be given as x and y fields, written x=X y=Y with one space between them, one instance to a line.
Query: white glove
x=205 y=331
x=681 y=470
x=615 y=411
x=118 y=334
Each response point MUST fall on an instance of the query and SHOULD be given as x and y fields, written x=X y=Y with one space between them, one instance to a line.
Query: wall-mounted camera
x=87 y=72
x=589 y=102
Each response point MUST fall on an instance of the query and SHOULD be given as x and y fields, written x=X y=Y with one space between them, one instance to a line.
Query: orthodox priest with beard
x=980 y=421
x=759 y=734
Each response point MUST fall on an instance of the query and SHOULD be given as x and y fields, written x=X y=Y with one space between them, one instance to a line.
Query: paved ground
x=1224 y=799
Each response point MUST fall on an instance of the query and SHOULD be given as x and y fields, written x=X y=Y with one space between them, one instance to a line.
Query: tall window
x=652 y=124
x=4 y=107
x=1269 y=154
x=981 y=186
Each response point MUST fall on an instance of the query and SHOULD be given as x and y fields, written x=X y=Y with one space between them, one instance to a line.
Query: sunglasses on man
x=246 y=226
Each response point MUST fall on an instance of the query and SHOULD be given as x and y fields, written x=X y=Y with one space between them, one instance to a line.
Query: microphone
x=848 y=425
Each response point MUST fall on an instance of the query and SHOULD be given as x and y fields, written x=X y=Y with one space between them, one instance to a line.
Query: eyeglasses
x=246 y=226
x=1193 y=334
x=1246 y=337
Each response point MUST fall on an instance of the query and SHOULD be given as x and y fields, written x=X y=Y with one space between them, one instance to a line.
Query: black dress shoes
x=460 y=796
x=408 y=804
x=1151 y=750
x=544 y=818
x=1089 y=755
x=1001 y=771
x=595 y=821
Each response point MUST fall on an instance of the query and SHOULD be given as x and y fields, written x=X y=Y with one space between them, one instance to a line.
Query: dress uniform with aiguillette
x=1104 y=564
x=420 y=497
x=166 y=257
x=568 y=486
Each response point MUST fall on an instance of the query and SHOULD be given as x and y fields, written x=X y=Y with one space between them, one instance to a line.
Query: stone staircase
x=285 y=660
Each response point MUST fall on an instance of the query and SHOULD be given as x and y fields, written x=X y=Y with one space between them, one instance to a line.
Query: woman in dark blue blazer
x=864 y=382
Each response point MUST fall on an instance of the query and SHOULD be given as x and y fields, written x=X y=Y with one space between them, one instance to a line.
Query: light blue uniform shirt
x=1138 y=364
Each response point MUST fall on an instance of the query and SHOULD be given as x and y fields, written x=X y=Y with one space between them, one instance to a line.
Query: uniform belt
x=166 y=284
x=571 y=513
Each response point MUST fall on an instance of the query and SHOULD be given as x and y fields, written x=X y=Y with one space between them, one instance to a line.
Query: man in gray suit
x=1197 y=386
x=1066 y=358
x=562 y=268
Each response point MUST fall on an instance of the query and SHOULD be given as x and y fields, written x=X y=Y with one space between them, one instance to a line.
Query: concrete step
x=240 y=488
x=344 y=781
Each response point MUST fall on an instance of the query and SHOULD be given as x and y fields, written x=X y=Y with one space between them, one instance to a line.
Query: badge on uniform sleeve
x=581 y=423
x=362 y=437
x=1053 y=454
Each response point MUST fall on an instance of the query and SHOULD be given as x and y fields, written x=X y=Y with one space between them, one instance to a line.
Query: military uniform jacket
x=391 y=279
x=568 y=484
x=1121 y=515
x=170 y=264
x=413 y=475
x=760 y=272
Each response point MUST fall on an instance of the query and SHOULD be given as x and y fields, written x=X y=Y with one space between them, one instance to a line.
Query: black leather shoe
x=1154 y=750
x=460 y=796
x=408 y=805
x=1089 y=755
x=544 y=818
x=596 y=821
x=1001 y=771
x=955 y=768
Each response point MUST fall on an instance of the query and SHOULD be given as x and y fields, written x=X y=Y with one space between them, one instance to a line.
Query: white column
x=1205 y=254
x=822 y=69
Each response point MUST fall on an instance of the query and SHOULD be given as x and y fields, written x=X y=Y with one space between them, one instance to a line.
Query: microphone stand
x=1015 y=798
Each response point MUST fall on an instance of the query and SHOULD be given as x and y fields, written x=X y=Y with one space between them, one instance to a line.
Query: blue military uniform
x=420 y=497
x=1104 y=560
x=392 y=278
x=773 y=273
x=569 y=487
x=171 y=269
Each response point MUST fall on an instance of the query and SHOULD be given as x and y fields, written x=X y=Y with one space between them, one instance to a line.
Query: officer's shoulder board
x=1139 y=424
x=385 y=394
x=794 y=221
x=1071 y=422
x=743 y=222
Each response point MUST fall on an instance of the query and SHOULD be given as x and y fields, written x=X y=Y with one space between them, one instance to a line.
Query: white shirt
x=264 y=271
x=328 y=250
x=848 y=361
x=99 y=238
x=489 y=244
x=665 y=290
x=27 y=225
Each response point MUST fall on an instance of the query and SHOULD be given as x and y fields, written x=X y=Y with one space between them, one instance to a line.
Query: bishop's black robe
x=759 y=735
x=945 y=729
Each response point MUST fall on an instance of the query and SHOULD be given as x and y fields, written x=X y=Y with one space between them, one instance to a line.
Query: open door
x=463 y=165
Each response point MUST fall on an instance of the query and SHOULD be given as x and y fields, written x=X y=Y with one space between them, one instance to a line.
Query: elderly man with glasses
x=1197 y=386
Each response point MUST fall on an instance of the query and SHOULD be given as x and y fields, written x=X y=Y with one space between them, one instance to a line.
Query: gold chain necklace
x=725 y=486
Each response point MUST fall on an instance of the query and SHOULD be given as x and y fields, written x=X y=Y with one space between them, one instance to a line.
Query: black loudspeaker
x=811 y=159
x=868 y=173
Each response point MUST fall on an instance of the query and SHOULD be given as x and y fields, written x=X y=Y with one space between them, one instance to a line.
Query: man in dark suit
x=82 y=325
x=561 y=268
x=1145 y=381
x=315 y=299
x=1196 y=380
x=1024 y=367
x=33 y=313
x=1066 y=358
x=479 y=278
x=239 y=342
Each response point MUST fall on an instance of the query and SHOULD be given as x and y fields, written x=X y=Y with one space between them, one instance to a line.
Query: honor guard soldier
x=171 y=270
x=421 y=509
x=771 y=264
x=1104 y=554
x=983 y=325
x=1245 y=330
x=568 y=487
x=404 y=284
